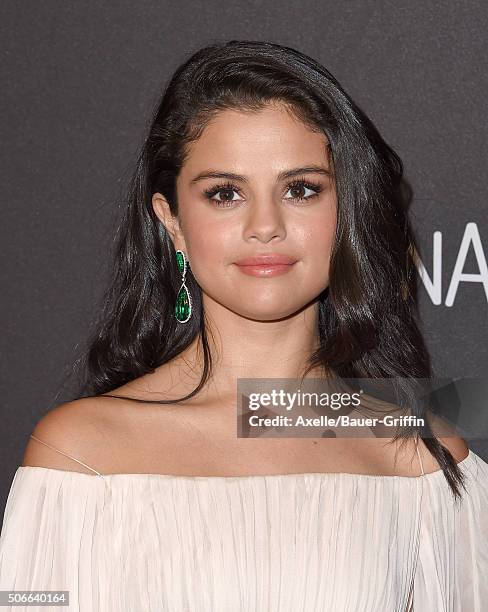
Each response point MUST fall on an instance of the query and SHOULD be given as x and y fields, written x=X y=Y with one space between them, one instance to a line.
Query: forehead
x=268 y=140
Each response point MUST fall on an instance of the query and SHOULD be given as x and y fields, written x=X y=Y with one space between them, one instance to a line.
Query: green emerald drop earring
x=183 y=307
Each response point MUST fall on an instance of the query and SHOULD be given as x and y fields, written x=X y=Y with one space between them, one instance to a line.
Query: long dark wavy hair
x=367 y=315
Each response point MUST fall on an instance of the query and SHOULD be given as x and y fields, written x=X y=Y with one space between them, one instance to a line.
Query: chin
x=265 y=315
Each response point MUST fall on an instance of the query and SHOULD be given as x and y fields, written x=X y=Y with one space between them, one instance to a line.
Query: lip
x=269 y=260
x=271 y=264
x=265 y=270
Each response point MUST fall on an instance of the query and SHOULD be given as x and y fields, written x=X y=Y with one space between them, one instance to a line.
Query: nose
x=265 y=221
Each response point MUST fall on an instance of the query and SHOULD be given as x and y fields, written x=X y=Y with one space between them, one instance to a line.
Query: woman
x=139 y=495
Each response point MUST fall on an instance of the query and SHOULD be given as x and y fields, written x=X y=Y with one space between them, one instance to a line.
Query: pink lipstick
x=265 y=265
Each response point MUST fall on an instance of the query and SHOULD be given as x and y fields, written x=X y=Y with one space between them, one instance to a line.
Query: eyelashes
x=230 y=187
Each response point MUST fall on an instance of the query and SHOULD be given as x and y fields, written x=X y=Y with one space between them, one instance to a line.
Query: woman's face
x=224 y=219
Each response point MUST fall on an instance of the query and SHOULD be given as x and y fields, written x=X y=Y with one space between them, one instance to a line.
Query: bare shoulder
x=110 y=433
x=81 y=429
x=454 y=444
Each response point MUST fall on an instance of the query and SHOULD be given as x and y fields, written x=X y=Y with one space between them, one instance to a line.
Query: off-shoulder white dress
x=309 y=542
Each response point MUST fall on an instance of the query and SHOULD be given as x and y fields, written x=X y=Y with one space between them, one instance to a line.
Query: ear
x=162 y=211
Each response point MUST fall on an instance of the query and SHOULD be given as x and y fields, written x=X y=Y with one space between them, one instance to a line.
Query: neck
x=248 y=348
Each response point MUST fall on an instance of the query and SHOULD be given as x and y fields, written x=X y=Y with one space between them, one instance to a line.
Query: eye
x=303 y=185
x=226 y=189
x=228 y=201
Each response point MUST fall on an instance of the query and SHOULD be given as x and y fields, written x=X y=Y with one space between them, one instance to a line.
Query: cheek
x=316 y=239
x=208 y=248
x=321 y=240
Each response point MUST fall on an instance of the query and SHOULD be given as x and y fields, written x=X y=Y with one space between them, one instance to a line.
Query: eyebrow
x=285 y=174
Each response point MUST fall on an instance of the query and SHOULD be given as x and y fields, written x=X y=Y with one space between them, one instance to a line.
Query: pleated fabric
x=289 y=543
